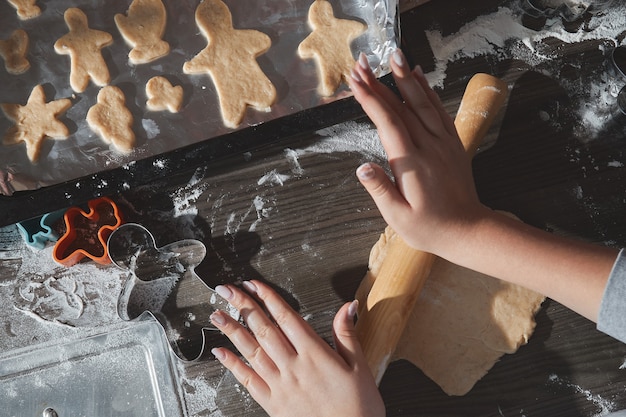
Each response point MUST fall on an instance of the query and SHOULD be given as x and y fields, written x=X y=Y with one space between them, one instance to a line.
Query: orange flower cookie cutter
x=86 y=234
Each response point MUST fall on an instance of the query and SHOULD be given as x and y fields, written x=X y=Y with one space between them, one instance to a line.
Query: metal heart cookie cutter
x=163 y=283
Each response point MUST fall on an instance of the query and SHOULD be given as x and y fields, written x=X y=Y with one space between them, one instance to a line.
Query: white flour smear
x=501 y=34
x=199 y=397
x=348 y=137
x=605 y=406
x=45 y=301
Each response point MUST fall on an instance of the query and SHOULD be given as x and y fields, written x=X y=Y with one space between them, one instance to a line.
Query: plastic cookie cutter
x=163 y=283
x=86 y=233
x=40 y=230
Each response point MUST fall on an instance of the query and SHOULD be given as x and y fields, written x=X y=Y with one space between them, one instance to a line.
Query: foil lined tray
x=83 y=156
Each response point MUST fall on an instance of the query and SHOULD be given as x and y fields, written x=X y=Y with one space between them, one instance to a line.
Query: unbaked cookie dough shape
x=13 y=50
x=162 y=95
x=329 y=45
x=84 y=46
x=230 y=60
x=35 y=121
x=142 y=29
x=26 y=9
x=463 y=322
x=111 y=120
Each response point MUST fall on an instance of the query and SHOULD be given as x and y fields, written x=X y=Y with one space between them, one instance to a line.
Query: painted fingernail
x=250 y=287
x=224 y=292
x=352 y=309
x=354 y=74
x=217 y=318
x=363 y=62
x=365 y=171
x=418 y=71
x=398 y=57
x=219 y=354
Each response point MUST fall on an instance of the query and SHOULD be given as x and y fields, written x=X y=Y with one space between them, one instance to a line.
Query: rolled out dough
x=462 y=323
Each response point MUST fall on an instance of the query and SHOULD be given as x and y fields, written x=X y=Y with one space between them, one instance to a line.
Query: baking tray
x=81 y=167
x=125 y=372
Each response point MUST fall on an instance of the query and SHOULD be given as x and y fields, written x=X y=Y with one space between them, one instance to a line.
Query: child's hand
x=433 y=196
x=292 y=371
x=434 y=207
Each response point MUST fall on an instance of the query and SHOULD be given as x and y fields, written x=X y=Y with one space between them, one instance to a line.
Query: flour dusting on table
x=605 y=406
x=503 y=36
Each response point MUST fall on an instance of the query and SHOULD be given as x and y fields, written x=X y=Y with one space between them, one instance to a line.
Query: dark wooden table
x=293 y=213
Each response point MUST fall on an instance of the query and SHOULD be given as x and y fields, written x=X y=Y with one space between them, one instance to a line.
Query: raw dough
x=329 y=45
x=143 y=29
x=13 y=51
x=35 y=121
x=163 y=96
x=111 y=120
x=26 y=9
x=230 y=60
x=462 y=323
x=83 y=45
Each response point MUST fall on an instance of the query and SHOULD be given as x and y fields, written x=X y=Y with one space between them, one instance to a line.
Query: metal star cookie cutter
x=163 y=283
x=86 y=233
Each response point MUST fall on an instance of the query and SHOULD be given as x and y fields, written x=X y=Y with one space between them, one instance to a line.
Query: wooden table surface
x=293 y=213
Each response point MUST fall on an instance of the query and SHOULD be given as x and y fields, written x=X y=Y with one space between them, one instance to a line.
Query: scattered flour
x=273 y=178
x=199 y=397
x=604 y=405
x=151 y=128
x=159 y=163
x=45 y=301
x=348 y=137
x=503 y=36
x=185 y=197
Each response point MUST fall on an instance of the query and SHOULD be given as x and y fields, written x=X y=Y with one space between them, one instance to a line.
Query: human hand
x=433 y=199
x=293 y=372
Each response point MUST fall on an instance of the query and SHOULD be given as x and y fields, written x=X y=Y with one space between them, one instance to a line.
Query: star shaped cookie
x=329 y=45
x=13 y=51
x=35 y=121
x=84 y=45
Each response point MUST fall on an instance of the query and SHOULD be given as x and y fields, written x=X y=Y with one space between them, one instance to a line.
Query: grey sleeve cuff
x=612 y=315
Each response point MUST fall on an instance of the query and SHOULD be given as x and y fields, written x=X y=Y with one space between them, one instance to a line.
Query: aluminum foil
x=84 y=153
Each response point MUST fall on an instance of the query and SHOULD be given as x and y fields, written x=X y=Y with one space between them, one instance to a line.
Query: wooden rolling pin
x=404 y=270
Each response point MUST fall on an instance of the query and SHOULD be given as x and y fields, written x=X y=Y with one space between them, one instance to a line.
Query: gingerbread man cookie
x=111 y=120
x=329 y=45
x=84 y=45
x=26 y=9
x=13 y=51
x=230 y=60
x=163 y=96
x=142 y=29
x=35 y=121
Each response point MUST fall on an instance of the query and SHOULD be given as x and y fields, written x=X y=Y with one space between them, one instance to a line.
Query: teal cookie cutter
x=38 y=231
